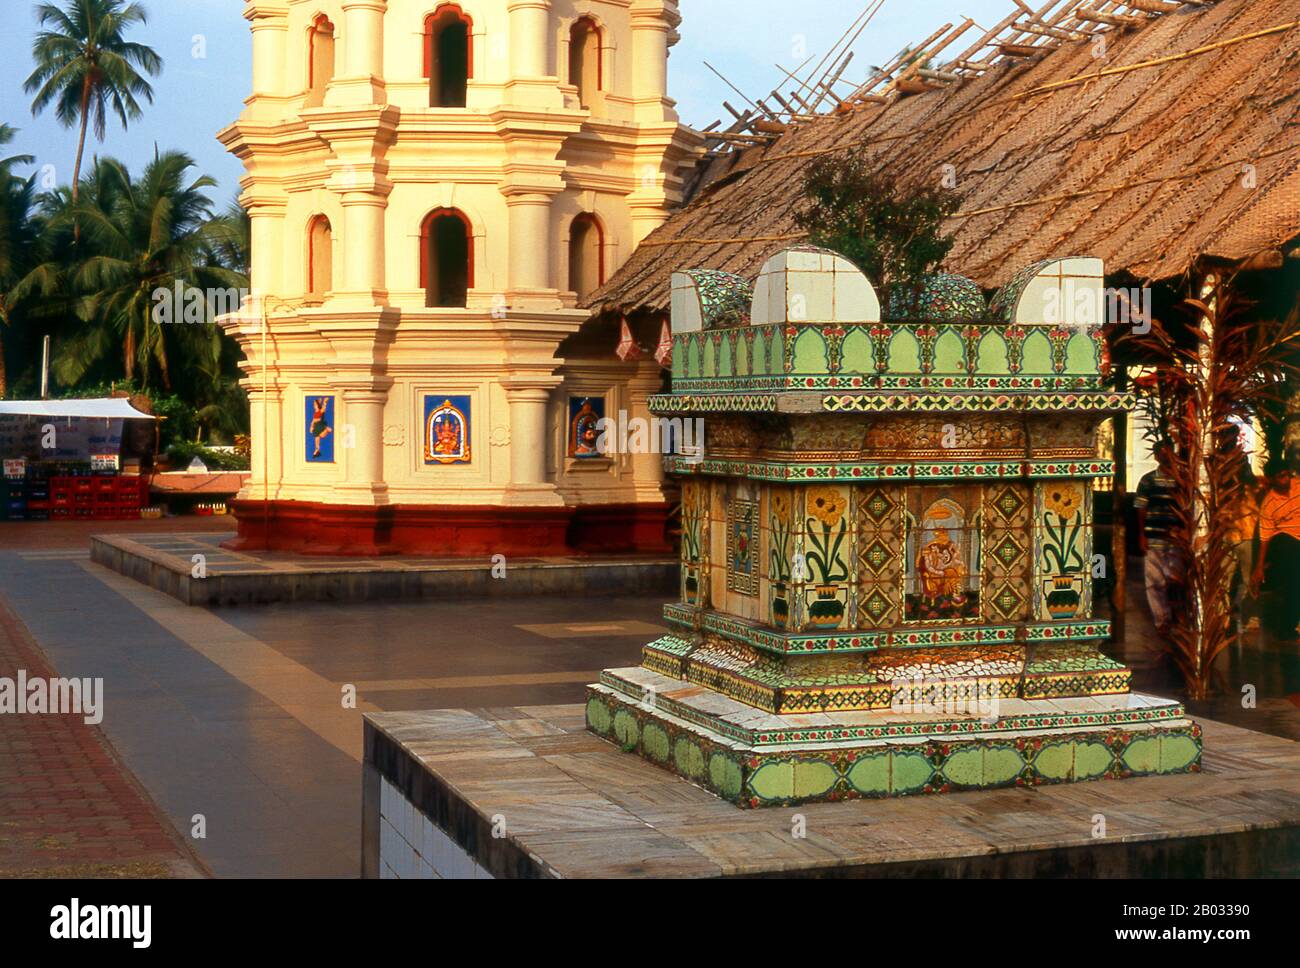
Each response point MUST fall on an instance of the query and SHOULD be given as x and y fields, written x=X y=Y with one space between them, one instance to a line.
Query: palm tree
x=140 y=238
x=18 y=234
x=85 y=67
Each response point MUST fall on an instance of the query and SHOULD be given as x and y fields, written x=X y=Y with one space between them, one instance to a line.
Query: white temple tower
x=432 y=189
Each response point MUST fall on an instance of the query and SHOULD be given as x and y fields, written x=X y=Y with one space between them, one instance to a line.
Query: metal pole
x=45 y=368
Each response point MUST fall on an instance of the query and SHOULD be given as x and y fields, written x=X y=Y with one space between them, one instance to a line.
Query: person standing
x=1242 y=516
x=1165 y=569
x=1277 y=570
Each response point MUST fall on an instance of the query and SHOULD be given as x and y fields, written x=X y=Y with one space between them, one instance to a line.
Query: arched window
x=448 y=55
x=320 y=59
x=586 y=255
x=320 y=256
x=446 y=258
x=585 y=71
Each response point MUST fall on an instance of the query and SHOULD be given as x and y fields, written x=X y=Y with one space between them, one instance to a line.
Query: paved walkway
x=68 y=806
x=245 y=715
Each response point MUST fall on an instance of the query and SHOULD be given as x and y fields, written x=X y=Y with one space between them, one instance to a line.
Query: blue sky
x=195 y=97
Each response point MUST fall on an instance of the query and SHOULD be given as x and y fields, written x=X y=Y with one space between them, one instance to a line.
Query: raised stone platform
x=528 y=792
x=756 y=759
x=167 y=563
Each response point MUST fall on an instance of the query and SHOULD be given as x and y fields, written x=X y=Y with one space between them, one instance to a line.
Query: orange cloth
x=1243 y=516
x=1280 y=512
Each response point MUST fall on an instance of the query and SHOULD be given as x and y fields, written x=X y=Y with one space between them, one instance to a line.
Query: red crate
x=60 y=513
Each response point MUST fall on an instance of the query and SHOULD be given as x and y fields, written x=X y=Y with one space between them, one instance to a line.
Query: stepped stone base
x=754 y=759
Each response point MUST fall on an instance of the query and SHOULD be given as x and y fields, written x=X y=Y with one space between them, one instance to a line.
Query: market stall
x=65 y=460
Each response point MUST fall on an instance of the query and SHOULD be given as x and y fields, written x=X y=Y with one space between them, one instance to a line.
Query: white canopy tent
x=107 y=408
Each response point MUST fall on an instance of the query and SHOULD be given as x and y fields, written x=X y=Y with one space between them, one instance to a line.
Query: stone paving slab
x=575 y=807
x=167 y=563
x=68 y=806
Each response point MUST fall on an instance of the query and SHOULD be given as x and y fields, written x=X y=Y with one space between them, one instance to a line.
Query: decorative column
x=361 y=438
x=653 y=23
x=266 y=236
x=530 y=244
x=363 y=245
x=529 y=38
x=270 y=26
x=532 y=81
x=648 y=465
x=362 y=78
x=359 y=139
x=528 y=402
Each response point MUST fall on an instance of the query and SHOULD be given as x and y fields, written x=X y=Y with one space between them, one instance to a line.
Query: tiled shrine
x=887 y=560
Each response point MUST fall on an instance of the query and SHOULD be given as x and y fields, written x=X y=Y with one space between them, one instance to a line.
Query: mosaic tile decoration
x=724 y=297
x=908 y=552
x=1003 y=304
x=788 y=772
x=944 y=297
x=742 y=546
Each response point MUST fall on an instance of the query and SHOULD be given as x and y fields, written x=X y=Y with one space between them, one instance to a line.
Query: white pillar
x=362 y=244
x=530 y=242
x=270 y=29
x=362 y=440
x=529 y=38
x=361 y=79
x=652 y=34
x=528 y=434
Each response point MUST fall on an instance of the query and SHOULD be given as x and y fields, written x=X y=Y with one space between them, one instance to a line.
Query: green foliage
x=892 y=232
x=182 y=452
x=85 y=66
x=106 y=257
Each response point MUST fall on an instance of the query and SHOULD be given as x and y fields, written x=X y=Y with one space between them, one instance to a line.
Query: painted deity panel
x=446 y=429
x=943 y=554
x=585 y=414
x=319 y=422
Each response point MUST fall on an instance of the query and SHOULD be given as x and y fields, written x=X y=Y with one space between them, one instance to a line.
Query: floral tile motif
x=695 y=542
x=780 y=546
x=1063 y=550
x=827 y=553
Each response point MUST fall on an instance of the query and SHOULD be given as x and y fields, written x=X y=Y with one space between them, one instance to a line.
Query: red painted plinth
x=621 y=527
x=349 y=530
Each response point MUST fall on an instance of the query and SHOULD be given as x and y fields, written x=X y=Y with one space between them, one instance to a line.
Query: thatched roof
x=1142 y=166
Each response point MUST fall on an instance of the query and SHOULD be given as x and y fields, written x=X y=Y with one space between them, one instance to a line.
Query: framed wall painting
x=446 y=429
x=585 y=414
x=318 y=419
